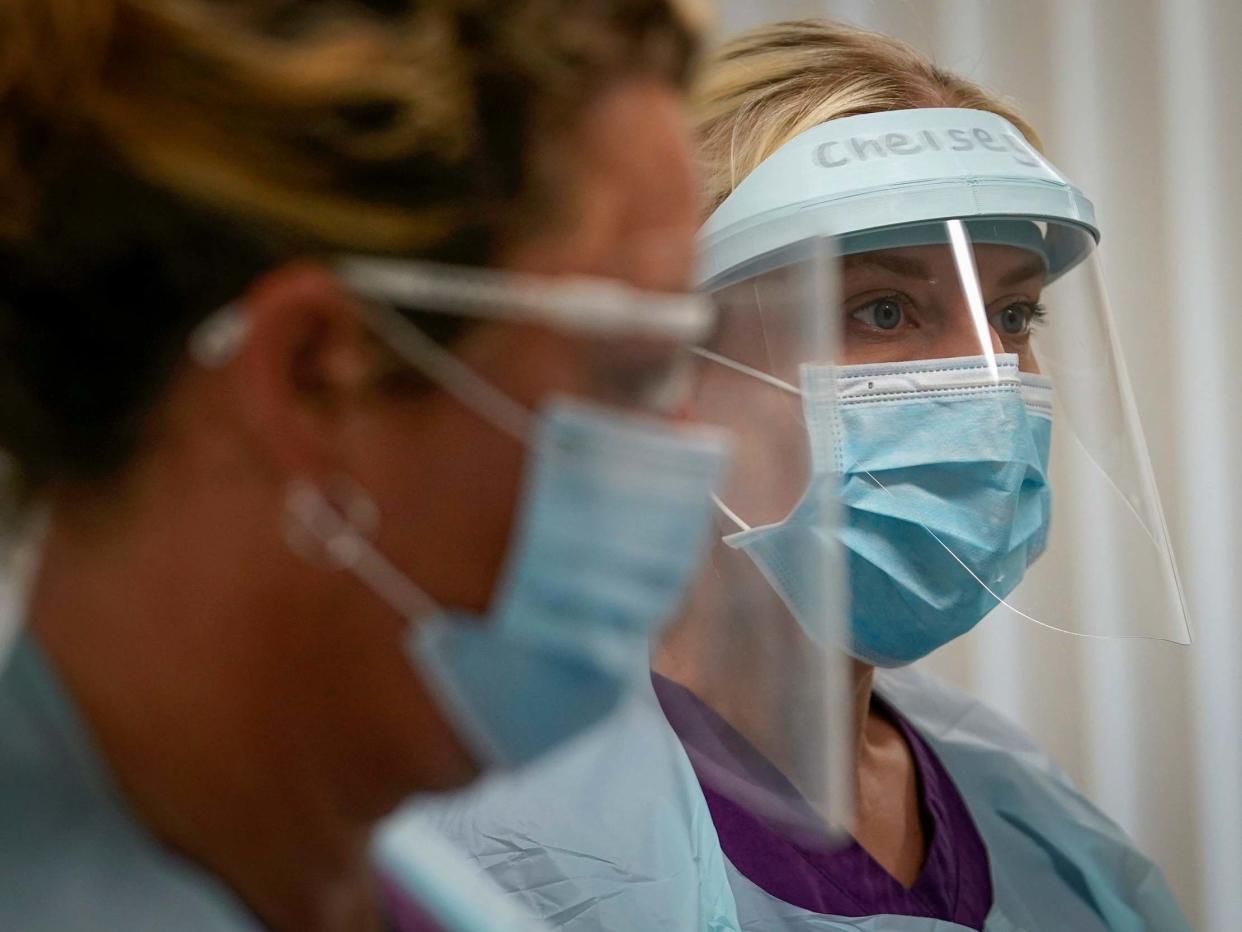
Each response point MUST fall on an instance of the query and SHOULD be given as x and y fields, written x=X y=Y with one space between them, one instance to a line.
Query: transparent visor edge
x=592 y=308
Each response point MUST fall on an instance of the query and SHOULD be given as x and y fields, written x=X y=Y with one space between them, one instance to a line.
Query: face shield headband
x=869 y=179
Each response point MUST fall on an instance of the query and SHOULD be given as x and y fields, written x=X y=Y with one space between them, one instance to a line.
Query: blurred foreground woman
x=338 y=354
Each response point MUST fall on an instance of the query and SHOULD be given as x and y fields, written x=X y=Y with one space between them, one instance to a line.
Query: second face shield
x=983 y=419
x=756 y=686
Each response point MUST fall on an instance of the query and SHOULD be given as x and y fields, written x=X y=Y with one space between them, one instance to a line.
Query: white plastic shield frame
x=629 y=346
x=985 y=420
x=753 y=679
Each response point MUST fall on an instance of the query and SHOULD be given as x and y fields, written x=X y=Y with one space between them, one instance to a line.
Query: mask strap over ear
x=220 y=336
x=744 y=369
x=767 y=379
x=340 y=536
x=448 y=372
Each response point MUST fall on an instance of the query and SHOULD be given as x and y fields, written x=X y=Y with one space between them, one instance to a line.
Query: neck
x=188 y=714
x=888 y=815
x=864 y=682
x=872 y=738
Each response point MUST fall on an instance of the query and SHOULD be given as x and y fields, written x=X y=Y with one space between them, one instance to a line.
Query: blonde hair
x=766 y=86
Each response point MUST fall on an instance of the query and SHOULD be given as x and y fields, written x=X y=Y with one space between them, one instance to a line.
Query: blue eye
x=884 y=314
x=1016 y=319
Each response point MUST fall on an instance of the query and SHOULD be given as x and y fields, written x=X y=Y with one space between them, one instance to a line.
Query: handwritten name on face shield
x=838 y=152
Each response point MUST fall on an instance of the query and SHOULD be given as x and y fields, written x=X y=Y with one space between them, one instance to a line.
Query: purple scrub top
x=953 y=885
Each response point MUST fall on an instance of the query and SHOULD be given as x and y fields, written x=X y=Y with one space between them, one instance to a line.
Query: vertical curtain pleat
x=1200 y=74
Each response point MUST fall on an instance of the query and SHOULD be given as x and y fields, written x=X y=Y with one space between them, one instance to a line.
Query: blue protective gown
x=72 y=857
x=614 y=834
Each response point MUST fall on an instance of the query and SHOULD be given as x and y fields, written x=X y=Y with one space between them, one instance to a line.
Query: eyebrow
x=898 y=265
x=1036 y=268
x=916 y=268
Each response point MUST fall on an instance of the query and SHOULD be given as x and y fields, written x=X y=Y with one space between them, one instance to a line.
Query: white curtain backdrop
x=1136 y=100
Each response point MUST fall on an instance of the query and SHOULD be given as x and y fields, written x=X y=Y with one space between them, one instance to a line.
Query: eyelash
x=1036 y=313
x=903 y=301
x=1037 y=310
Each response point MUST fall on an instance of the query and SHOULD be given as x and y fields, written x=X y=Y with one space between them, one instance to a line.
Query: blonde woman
x=974 y=343
x=309 y=328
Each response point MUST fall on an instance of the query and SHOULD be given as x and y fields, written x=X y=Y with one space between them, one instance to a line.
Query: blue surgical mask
x=614 y=522
x=612 y=525
x=941 y=469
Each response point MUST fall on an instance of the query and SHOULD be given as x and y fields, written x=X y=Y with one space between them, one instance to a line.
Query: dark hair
x=156 y=157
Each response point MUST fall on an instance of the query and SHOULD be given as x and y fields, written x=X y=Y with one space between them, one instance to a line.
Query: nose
x=967 y=330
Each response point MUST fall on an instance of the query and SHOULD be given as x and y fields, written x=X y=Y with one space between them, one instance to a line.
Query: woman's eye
x=1014 y=320
x=885 y=314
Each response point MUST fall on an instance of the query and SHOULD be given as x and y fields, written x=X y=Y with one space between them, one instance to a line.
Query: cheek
x=912 y=345
x=770 y=466
x=446 y=484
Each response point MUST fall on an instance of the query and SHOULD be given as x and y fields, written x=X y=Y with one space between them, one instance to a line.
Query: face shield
x=755 y=685
x=617 y=346
x=615 y=504
x=982 y=400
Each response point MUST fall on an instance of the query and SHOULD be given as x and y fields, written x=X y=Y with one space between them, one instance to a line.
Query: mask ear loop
x=337 y=532
x=449 y=372
x=220 y=336
x=729 y=513
x=317 y=528
x=765 y=377
x=311 y=521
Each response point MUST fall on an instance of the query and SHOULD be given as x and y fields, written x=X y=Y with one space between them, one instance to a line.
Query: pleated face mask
x=941 y=468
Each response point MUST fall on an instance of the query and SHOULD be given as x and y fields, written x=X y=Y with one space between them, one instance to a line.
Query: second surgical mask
x=941 y=468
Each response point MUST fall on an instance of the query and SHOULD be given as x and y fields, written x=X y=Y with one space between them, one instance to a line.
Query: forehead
x=638 y=134
x=635 y=149
x=996 y=264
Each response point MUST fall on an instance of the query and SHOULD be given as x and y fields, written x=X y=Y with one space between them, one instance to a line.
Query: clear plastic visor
x=596 y=340
x=986 y=428
x=758 y=693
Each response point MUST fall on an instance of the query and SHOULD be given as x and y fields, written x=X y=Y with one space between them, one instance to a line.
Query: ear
x=301 y=370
